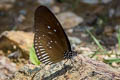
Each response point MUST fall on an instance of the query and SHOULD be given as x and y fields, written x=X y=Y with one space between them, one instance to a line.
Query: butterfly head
x=70 y=54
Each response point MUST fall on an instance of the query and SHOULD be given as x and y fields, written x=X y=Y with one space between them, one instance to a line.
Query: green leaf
x=109 y=61
x=118 y=37
x=98 y=44
x=33 y=56
x=95 y=53
x=96 y=41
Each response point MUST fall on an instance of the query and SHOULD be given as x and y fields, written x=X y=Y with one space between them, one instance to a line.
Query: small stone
x=7 y=68
x=75 y=40
x=21 y=18
x=6 y=6
x=56 y=9
x=46 y=2
x=23 y=12
x=70 y=30
x=115 y=64
x=69 y=19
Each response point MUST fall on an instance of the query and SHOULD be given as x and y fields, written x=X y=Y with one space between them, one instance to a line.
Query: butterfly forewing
x=50 y=40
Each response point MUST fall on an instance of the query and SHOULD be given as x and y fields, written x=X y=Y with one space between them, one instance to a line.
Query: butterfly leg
x=36 y=70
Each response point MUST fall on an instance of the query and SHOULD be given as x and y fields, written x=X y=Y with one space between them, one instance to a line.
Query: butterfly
x=50 y=41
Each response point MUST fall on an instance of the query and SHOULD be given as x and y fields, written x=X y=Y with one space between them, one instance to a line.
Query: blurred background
x=92 y=27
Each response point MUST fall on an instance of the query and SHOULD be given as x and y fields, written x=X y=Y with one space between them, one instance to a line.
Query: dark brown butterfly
x=50 y=41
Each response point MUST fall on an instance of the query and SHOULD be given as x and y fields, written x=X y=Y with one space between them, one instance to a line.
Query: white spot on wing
x=43 y=35
x=55 y=41
x=39 y=57
x=42 y=49
x=42 y=59
x=48 y=42
x=49 y=32
x=43 y=52
x=35 y=47
x=49 y=27
x=37 y=50
x=46 y=58
x=35 y=40
x=39 y=38
x=38 y=54
x=54 y=30
x=44 y=55
x=47 y=62
x=50 y=63
x=40 y=46
x=36 y=43
x=50 y=47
